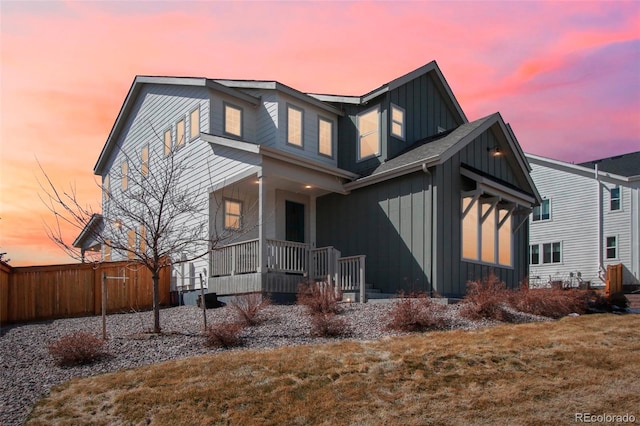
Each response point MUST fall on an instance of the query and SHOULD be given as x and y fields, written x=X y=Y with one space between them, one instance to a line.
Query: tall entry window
x=487 y=235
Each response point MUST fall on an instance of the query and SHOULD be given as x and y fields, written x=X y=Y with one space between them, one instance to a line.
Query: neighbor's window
x=615 y=198
x=232 y=214
x=180 y=133
x=535 y=254
x=106 y=186
x=543 y=211
x=397 y=122
x=143 y=239
x=325 y=137
x=131 y=243
x=125 y=175
x=144 y=157
x=612 y=247
x=167 y=142
x=107 y=250
x=486 y=232
x=232 y=120
x=194 y=123
x=551 y=253
x=368 y=134
x=294 y=125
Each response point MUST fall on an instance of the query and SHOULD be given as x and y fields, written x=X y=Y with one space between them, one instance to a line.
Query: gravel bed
x=27 y=371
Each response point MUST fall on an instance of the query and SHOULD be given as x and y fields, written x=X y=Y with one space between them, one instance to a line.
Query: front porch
x=278 y=266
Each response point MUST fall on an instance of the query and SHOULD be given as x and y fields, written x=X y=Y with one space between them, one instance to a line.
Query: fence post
x=363 y=293
x=104 y=305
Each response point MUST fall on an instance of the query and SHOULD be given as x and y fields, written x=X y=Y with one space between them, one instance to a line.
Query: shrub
x=486 y=298
x=328 y=325
x=249 y=307
x=77 y=348
x=416 y=313
x=319 y=298
x=223 y=335
x=549 y=302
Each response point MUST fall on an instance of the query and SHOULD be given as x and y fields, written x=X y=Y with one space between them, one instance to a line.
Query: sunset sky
x=566 y=75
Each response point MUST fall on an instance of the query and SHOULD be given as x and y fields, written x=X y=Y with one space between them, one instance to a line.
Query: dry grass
x=533 y=374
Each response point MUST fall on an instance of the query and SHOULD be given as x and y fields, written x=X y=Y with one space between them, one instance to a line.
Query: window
x=615 y=198
x=612 y=247
x=107 y=250
x=125 y=177
x=294 y=125
x=143 y=239
x=167 y=142
x=535 y=254
x=551 y=253
x=106 y=186
x=486 y=231
x=194 y=123
x=180 y=133
x=232 y=120
x=144 y=156
x=325 y=137
x=368 y=134
x=232 y=214
x=131 y=243
x=397 y=122
x=543 y=211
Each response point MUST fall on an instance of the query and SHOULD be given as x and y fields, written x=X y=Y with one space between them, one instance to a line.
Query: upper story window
x=144 y=161
x=615 y=199
x=612 y=247
x=125 y=175
x=294 y=125
x=194 y=123
x=167 y=142
x=106 y=186
x=397 y=122
x=325 y=137
x=486 y=232
x=233 y=120
x=368 y=133
x=543 y=211
x=180 y=133
x=232 y=214
x=131 y=243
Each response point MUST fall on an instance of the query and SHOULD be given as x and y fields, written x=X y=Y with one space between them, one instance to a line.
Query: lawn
x=537 y=373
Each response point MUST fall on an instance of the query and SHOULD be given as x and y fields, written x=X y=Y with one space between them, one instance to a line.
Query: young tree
x=154 y=214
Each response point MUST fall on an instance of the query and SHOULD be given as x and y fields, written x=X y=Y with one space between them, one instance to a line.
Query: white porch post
x=312 y=221
x=262 y=240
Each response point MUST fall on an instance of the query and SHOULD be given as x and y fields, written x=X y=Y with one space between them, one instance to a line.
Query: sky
x=565 y=75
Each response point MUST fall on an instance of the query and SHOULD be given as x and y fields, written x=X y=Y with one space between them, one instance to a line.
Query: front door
x=294 y=217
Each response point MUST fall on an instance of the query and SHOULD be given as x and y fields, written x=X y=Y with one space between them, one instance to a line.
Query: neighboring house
x=396 y=184
x=588 y=219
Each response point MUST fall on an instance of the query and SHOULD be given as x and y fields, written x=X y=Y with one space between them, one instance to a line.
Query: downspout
x=599 y=233
x=425 y=169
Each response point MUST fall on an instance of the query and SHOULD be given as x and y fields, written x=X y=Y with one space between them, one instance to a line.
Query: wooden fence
x=35 y=293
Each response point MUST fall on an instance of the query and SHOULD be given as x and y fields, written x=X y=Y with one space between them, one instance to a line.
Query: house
x=588 y=219
x=395 y=188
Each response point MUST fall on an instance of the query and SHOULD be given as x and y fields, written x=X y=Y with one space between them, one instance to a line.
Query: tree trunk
x=156 y=302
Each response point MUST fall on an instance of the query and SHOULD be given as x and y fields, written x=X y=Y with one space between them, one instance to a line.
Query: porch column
x=312 y=221
x=262 y=240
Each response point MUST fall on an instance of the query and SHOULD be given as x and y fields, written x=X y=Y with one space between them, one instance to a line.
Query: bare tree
x=154 y=213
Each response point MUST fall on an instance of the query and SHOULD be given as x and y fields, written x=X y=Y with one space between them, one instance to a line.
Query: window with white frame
x=232 y=214
x=612 y=247
x=107 y=250
x=233 y=120
x=614 y=203
x=368 y=133
x=487 y=234
x=552 y=252
x=180 y=133
x=397 y=122
x=194 y=123
x=143 y=239
x=534 y=254
x=124 y=180
x=325 y=137
x=131 y=243
x=543 y=211
x=106 y=186
x=167 y=142
x=144 y=161
x=294 y=125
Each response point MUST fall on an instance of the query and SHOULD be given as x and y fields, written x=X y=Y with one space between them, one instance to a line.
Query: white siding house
x=588 y=219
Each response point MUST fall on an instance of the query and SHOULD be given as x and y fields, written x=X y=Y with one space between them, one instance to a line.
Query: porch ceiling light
x=307 y=186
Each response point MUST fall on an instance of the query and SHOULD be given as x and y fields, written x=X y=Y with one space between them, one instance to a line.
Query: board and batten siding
x=390 y=223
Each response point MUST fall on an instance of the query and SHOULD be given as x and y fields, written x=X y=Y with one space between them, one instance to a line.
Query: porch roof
x=86 y=238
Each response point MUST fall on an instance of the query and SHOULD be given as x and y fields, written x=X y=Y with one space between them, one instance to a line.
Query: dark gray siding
x=390 y=223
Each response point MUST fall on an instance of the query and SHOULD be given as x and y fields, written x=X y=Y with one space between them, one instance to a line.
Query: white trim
x=495 y=188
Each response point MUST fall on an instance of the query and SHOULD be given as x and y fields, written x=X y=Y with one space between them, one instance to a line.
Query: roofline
x=136 y=86
x=575 y=168
x=393 y=173
x=94 y=221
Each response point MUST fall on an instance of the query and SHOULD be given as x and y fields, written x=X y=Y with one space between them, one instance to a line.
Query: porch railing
x=323 y=263
x=351 y=276
x=287 y=256
x=238 y=258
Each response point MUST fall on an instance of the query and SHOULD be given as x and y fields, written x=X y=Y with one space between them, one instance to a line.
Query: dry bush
x=77 y=348
x=416 y=313
x=319 y=298
x=328 y=325
x=249 y=307
x=549 y=302
x=223 y=335
x=486 y=299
